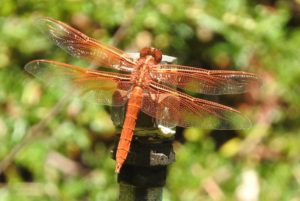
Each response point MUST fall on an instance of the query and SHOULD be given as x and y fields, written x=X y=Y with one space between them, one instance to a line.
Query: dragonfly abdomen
x=133 y=108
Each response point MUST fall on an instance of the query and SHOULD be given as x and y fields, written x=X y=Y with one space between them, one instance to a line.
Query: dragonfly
x=143 y=85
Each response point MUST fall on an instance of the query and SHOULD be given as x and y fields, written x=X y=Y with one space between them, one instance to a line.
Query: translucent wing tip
x=43 y=21
x=233 y=120
x=240 y=123
x=32 y=66
x=51 y=27
x=210 y=115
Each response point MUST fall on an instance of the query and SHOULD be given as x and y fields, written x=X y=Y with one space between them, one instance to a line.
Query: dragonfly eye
x=156 y=53
x=144 y=52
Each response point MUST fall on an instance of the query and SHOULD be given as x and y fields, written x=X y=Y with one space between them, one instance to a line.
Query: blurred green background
x=52 y=148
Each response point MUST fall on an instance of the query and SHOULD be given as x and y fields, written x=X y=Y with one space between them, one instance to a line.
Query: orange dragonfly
x=145 y=84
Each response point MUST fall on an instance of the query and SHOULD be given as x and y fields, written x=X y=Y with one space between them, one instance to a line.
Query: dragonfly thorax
x=141 y=73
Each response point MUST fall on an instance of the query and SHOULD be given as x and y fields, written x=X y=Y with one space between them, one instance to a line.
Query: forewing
x=94 y=85
x=212 y=82
x=174 y=108
x=79 y=45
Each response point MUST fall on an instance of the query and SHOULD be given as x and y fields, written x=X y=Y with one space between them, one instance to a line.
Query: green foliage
x=69 y=158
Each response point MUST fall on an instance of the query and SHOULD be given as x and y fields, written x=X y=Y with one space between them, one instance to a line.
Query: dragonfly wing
x=212 y=82
x=79 y=45
x=171 y=107
x=96 y=85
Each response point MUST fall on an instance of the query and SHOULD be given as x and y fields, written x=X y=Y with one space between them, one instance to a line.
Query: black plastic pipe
x=144 y=172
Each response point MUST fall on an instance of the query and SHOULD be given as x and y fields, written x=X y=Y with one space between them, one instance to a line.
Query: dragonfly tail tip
x=118 y=167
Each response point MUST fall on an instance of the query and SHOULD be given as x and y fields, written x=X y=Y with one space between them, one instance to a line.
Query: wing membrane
x=174 y=108
x=213 y=82
x=97 y=85
x=79 y=45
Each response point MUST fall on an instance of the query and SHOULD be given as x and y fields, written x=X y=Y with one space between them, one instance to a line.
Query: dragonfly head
x=154 y=52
